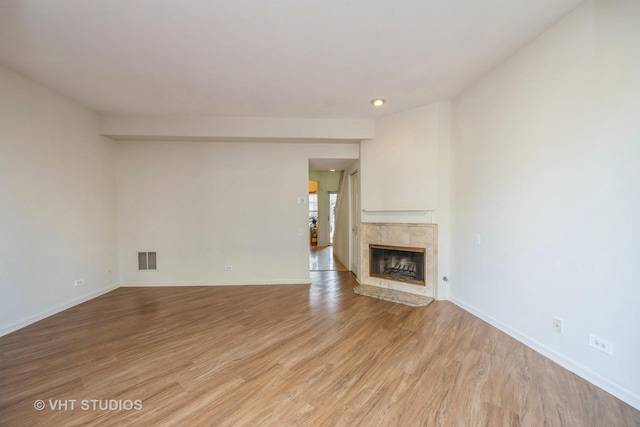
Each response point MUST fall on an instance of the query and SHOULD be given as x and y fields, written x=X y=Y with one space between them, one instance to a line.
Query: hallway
x=321 y=258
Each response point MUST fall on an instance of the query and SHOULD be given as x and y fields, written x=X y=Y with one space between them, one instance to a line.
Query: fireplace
x=397 y=263
x=402 y=237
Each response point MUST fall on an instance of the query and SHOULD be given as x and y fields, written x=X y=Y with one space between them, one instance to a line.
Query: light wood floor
x=321 y=258
x=287 y=355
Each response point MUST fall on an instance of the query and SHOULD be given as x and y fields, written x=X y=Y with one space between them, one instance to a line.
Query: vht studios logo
x=88 y=405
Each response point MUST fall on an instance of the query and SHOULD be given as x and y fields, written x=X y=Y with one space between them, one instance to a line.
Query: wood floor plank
x=287 y=355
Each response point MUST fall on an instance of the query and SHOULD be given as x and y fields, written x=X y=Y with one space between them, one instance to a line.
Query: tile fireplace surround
x=407 y=235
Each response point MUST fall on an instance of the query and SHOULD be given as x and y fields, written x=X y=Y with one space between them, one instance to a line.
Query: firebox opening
x=397 y=263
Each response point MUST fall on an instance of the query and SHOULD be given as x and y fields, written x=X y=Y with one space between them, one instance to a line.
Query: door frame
x=354 y=222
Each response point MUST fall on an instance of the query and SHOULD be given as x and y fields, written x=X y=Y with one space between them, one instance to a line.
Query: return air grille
x=147 y=261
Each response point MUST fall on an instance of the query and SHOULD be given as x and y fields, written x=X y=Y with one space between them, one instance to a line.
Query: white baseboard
x=582 y=371
x=55 y=310
x=304 y=281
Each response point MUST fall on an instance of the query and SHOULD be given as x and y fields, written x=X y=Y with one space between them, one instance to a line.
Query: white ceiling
x=275 y=58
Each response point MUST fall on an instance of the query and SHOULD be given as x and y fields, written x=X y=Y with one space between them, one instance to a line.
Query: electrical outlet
x=600 y=344
x=79 y=282
x=477 y=239
x=228 y=267
x=557 y=325
x=300 y=232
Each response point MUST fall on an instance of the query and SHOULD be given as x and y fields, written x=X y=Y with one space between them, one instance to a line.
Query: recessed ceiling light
x=377 y=102
x=332 y=170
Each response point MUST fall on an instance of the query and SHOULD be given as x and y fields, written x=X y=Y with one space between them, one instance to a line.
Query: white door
x=333 y=199
x=355 y=222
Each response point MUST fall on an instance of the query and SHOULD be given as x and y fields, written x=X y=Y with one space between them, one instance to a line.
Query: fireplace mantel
x=392 y=211
x=398 y=216
x=407 y=235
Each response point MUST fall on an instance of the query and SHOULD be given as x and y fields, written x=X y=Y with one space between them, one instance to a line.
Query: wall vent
x=147 y=261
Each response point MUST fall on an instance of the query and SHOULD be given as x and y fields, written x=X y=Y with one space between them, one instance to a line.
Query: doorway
x=322 y=216
x=333 y=250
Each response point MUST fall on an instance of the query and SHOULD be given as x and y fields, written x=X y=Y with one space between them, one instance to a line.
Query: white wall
x=406 y=167
x=57 y=204
x=205 y=205
x=546 y=158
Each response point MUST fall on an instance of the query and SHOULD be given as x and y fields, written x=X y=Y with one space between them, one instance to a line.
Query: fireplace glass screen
x=397 y=263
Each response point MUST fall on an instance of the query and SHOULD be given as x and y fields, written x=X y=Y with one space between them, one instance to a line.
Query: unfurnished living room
x=476 y=181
